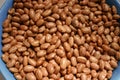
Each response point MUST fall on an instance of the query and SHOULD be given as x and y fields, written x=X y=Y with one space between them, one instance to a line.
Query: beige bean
x=49 y=18
x=38 y=74
x=93 y=59
x=6 y=47
x=81 y=59
x=10 y=63
x=113 y=64
x=14 y=70
x=69 y=77
x=50 y=68
x=108 y=66
x=67 y=46
x=109 y=74
x=35 y=43
x=51 y=56
x=60 y=52
x=50 y=25
x=22 y=49
x=101 y=64
x=94 y=73
x=28 y=68
x=71 y=41
x=65 y=37
x=83 y=76
x=115 y=46
x=73 y=61
x=5 y=58
x=61 y=28
x=13 y=56
x=13 y=49
x=44 y=71
x=32 y=62
x=40 y=22
x=86 y=30
x=68 y=20
x=46 y=13
x=76 y=52
x=77 y=40
x=18 y=76
x=6 y=40
x=32 y=13
x=36 y=17
x=48 y=38
x=25 y=61
x=24 y=17
x=63 y=63
x=45 y=45
x=94 y=66
x=102 y=75
x=30 y=76
x=41 y=53
x=86 y=70
x=51 y=48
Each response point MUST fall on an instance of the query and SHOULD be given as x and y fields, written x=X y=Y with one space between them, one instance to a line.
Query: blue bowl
x=7 y=75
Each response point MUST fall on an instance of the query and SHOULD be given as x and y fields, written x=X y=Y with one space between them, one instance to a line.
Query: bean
x=50 y=68
x=38 y=74
x=28 y=68
x=63 y=63
x=30 y=76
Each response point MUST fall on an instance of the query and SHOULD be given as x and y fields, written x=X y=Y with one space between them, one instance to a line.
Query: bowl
x=5 y=74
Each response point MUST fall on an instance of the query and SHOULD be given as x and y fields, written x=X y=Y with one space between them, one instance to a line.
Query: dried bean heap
x=61 y=40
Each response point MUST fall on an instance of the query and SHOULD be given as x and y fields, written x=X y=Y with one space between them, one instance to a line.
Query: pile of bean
x=61 y=40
